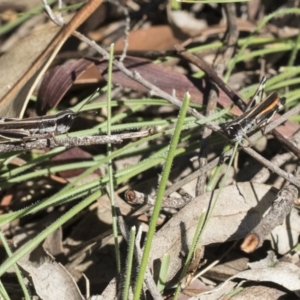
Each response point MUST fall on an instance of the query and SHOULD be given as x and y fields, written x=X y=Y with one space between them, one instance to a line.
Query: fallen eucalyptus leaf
x=51 y=280
x=239 y=209
x=15 y=63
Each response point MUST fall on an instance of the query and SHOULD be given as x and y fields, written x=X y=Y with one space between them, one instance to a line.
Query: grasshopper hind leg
x=258 y=96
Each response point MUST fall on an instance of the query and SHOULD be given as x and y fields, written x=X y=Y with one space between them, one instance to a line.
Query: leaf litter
x=84 y=244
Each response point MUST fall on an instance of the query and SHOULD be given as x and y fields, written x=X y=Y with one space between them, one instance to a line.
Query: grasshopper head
x=233 y=131
x=65 y=120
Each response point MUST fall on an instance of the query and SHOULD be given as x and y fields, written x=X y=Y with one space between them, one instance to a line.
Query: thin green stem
x=195 y=241
x=160 y=194
x=110 y=169
x=262 y=23
x=16 y=268
x=129 y=262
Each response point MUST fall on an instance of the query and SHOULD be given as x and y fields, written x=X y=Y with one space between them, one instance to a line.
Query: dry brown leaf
x=156 y=38
x=60 y=79
x=51 y=280
x=268 y=270
x=257 y=292
x=231 y=266
x=72 y=155
x=43 y=59
x=285 y=237
x=239 y=209
x=54 y=243
x=14 y=64
x=55 y=87
x=218 y=293
x=282 y=273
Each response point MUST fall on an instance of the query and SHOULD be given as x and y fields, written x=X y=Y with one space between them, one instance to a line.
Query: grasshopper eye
x=69 y=117
x=65 y=121
x=231 y=131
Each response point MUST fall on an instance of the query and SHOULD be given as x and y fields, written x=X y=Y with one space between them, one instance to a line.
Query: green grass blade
x=110 y=169
x=160 y=194
x=129 y=263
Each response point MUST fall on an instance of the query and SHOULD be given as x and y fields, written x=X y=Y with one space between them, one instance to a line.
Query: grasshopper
x=15 y=129
x=257 y=115
x=36 y=127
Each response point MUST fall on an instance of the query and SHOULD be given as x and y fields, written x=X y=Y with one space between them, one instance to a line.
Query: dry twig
x=138 y=198
x=281 y=207
x=70 y=141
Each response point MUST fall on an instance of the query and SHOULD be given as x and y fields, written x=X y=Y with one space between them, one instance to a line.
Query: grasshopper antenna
x=86 y=102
